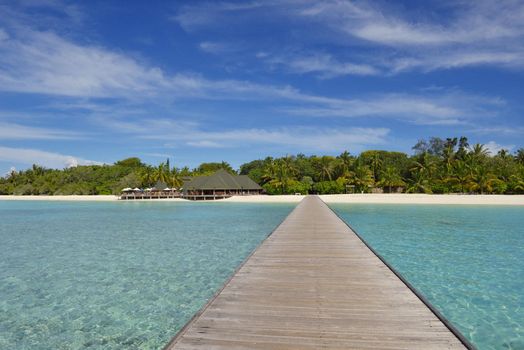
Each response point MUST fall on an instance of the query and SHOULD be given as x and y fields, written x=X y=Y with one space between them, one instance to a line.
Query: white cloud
x=43 y=158
x=193 y=17
x=299 y=137
x=10 y=131
x=303 y=138
x=445 y=108
x=471 y=33
x=158 y=155
x=324 y=65
x=467 y=23
x=44 y=13
x=475 y=33
x=205 y=144
x=3 y=35
x=493 y=147
x=210 y=47
x=217 y=47
x=42 y=62
x=12 y=170
x=499 y=130
x=448 y=59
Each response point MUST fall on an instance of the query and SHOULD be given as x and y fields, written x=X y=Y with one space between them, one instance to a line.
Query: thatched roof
x=159 y=186
x=222 y=180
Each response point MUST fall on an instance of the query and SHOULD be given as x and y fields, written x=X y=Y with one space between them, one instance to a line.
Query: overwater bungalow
x=159 y=191
x=217 y=186
x=220 y=185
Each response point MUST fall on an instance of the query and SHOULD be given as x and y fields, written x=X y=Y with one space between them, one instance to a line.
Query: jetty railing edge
x=419 y=295
x=182 y=331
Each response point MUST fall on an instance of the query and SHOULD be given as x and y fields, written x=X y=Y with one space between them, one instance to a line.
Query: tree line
x=437 y=165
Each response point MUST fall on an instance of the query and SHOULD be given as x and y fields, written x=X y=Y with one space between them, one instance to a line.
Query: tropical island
x=437 y=166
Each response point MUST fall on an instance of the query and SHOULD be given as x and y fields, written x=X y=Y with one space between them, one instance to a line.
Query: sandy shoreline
x=335 y=198
x=395 y=199
x=59 y=198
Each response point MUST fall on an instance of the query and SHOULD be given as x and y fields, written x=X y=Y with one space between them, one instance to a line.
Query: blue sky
x=97 y=81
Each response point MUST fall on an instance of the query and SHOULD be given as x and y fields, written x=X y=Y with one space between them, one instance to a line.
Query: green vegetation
x=95 y=179
x=437 y=166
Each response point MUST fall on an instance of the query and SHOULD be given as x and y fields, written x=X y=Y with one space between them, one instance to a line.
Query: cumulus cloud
x=494 y=148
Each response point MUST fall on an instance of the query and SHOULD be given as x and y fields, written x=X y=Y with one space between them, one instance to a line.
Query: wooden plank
x=314 y=284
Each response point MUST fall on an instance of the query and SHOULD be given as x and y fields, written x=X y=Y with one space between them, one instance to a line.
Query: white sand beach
x=401 y=198
x=334 y=198
x=405 y=198
x=60 y=198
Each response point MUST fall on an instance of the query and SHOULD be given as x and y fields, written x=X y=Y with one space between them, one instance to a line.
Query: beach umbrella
x=127 y=189
x=136 y=189
x=167 y=189
x=148 y=189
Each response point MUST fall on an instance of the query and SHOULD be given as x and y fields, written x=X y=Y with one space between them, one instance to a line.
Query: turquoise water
x=467 y=260
x=128 y=275
x=117 y=275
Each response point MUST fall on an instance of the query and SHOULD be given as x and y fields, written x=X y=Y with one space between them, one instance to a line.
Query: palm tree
x=376 y=165
x=161 y=174
x=279 y=173
x=288 y=163
x=345 y=162
x=504 y=154
x=479 y=151
x=461 y=175
x=147 y=176
x=519 y=156
x=12 y=177
x=175 y=178
x=38 y=170
x=518 y=183
x=462 y=148
x=362 y=178
x=482 y=179
x=419 y=183
x=326 y=167
x=269 y=172
x=424 y=167
x=390 y=177
x=226 y=166
x=449 y=158
x=185 y=171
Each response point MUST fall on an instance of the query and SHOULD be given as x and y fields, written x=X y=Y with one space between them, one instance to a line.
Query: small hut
x=220 y=185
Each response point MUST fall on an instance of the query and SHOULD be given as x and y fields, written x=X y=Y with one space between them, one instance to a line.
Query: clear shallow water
x=467 y=260
x=128 y=275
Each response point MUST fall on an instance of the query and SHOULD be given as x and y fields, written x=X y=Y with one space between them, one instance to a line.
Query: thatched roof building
x=220 y=185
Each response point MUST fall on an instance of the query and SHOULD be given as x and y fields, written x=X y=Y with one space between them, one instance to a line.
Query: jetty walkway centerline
x=313 y=284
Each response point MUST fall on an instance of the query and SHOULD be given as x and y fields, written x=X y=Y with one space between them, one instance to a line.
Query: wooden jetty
x=314 y=284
